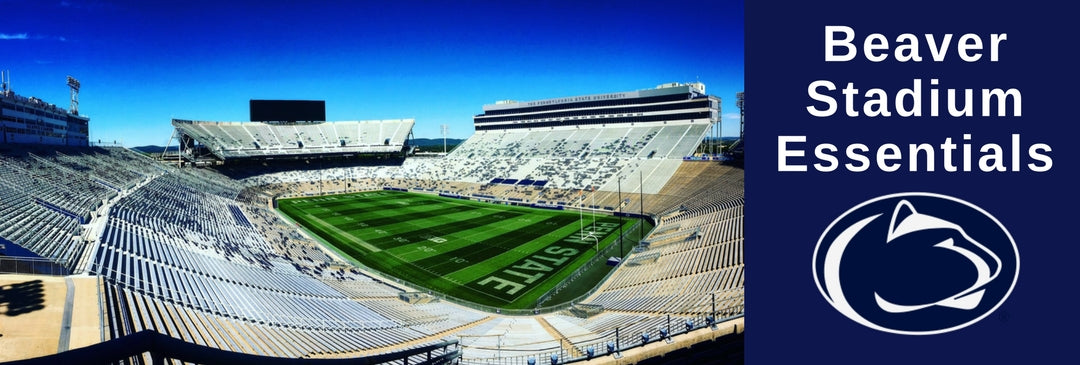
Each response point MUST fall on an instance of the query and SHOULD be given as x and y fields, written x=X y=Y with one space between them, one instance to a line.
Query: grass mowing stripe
x=483 y=250
x=343 y=243
x=440 y=243
x=461 y=238
x=408 y=223
x=403 y=224
x=347 y=206
x=341 y=234
x=388 y=263
x=530 y=294
x=359 y=207
x=404 y=216
x=539 y=264
x=502 y=260
x=395 y=207
x=422 y=234
x=329 y=224
x=342 y=200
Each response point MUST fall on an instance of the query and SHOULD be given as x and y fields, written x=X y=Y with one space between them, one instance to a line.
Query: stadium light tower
x=593 y=206
x=581 y=211
x=742 y=112
x=444 y=130
x=621 y=248
x=717 y=145
x=710 y=148
x=74 y=85
x=641 y=202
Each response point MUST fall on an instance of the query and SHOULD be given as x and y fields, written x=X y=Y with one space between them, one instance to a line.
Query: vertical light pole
x=742 y=113
x=714 y=309
x=581 y=218
x=669 y=327
x=593 y=207
x=641 y=202
x=74 y=85
x=622 y=249
x=617 y=345
x=711 y=146
x=444 y=130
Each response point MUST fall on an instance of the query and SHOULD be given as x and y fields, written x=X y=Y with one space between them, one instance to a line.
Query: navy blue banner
x=891 y=217
x=547 y=206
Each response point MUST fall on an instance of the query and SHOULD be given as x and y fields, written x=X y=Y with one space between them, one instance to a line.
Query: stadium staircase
x=401 y=345
x=562 y=339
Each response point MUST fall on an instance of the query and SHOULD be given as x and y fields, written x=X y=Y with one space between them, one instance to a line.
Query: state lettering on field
x=512 y=279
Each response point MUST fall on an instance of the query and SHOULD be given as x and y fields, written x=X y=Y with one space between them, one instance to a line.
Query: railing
x=625 y=337
x=100 y=143
x=481 y=307
x=666 y=236
x=31 y=265
x=160 y=348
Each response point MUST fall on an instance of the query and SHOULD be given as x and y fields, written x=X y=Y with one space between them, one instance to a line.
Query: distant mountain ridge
x=152 y=149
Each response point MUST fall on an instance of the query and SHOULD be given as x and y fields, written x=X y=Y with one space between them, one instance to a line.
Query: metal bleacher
x=252 y=139
x=181 y=265
x=183 y=253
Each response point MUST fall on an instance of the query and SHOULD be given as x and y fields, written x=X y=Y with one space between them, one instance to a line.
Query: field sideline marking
x=337 y=230
x=464 y=238
x=524 y=253
x=375 y=249
x=576 y=262
x=459 y=279
x=459 y=285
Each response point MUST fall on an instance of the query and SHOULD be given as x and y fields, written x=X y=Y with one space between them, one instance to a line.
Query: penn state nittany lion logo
x=916 y=263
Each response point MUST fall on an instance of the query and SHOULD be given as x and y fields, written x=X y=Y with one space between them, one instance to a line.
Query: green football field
x=497 y=255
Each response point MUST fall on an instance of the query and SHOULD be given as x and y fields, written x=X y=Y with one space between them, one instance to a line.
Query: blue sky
x=141 y=64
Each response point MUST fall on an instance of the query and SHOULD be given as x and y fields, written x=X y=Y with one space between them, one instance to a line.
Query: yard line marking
x=337 y=230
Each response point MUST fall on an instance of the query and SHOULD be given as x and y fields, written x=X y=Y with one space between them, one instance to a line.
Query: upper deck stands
x=253 y=139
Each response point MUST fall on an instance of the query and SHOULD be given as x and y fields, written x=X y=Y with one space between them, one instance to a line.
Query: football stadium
x=595 y=228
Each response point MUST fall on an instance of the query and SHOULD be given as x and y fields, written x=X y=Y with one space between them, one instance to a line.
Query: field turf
x=491 y=254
